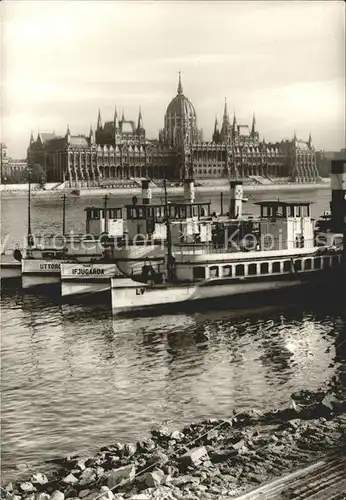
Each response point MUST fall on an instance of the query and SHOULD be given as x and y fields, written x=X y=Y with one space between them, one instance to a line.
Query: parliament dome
x=180 y=106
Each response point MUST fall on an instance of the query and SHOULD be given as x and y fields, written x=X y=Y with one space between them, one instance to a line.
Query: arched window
x=252 y=269
x=264 y=268
x=276 y=268
x=287 y=266
x=227 y=271
x=307 y=264
x=317 y=262
x=239 y=270
x=214 y=272
x=298 y=265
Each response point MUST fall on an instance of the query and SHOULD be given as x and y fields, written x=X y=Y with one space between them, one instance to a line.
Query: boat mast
x=29 y=236
x=169 y=236
x=105 y=217
x=64 y=214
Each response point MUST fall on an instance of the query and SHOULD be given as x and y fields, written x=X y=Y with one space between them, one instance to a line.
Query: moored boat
x=282 y=255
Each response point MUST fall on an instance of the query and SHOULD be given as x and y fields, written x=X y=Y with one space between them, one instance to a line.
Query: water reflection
x=75 y=378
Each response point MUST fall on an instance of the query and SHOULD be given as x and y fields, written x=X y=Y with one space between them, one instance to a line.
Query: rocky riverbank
x=212 y=459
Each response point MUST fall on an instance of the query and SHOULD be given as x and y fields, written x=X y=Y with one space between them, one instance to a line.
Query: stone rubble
x=213 y=459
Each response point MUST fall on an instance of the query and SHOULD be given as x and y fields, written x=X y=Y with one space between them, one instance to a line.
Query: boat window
x=198 y=273
x=264 y=268
x=214 y=272
x=317 y=263
x=194 y=211
x=290 y=212
x=252 y=269
x=307 y=264
x=298 y=264
x=305 y=211
x=335 y=260
x=227 y=271
x=326 y=261
x=276 y=268
x=287 y=266
x=239 y=270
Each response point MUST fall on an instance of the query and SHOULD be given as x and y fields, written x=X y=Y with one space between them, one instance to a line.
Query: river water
x=74 y=378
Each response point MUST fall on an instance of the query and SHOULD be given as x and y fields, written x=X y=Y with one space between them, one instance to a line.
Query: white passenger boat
x=10 y=268
x=42 y=261
x=282 y=255
x=143 y=242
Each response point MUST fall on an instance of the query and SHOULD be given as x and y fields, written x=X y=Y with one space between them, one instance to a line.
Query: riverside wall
x=173 y=190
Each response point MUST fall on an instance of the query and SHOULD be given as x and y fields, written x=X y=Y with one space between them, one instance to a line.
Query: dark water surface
x=74 y=378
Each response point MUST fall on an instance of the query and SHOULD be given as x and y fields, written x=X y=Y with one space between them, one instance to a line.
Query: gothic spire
x=115 y=119
x=309 y=140
x=68 y=130
x=140 y=119
x=180 y=87
x=253 y=129
x=99 y=121
x=216 y=126
x=234 y=121
x=123 y=116
x=32 y=137
x=225 y=111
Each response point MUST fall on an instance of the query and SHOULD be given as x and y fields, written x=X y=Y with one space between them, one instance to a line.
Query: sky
x=283 y=61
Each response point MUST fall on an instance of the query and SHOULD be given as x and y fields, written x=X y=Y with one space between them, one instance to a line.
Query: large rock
x=42 y=496
x=195 y=456
x=177 y=436
x=153 y=479
x=27 y=487
x=107 y=494
x=70 y=479
x=57 y=495
x=129 y=449
x=157 y=459
x=39 y=478
x=87 y=477
x=121 y=475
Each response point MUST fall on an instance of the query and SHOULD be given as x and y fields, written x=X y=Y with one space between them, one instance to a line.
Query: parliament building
x=119 y=149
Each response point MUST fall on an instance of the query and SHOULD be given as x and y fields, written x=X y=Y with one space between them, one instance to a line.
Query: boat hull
x=40 y=272
x=133 y=298
x=81 y=279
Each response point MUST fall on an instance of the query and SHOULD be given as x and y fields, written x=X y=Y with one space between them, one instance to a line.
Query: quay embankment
x=213 y=459
x=171 y=190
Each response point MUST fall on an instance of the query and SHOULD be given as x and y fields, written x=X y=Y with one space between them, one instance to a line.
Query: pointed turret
x=309 y=140
x=91 y=135
x=225 y=112
x=216 y=134
x=32 y=137
x=115 y=119
x=295 y=136
x=140 y=120
x=123 y=116
x=68 y=134
x=180 y=87
x=253 y=128
x=99 y=121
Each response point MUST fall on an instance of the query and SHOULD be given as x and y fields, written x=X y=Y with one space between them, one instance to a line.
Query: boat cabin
x=285 y=225
x=149 y=220
x=97 y=223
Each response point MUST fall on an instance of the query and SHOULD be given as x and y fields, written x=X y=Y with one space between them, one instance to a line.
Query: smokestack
x=189 y=190
x=338 y=203
x=236 y=200
x=146 y=192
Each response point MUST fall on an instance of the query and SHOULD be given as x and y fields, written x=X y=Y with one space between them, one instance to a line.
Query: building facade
x=12 y=170
x=119 y=149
